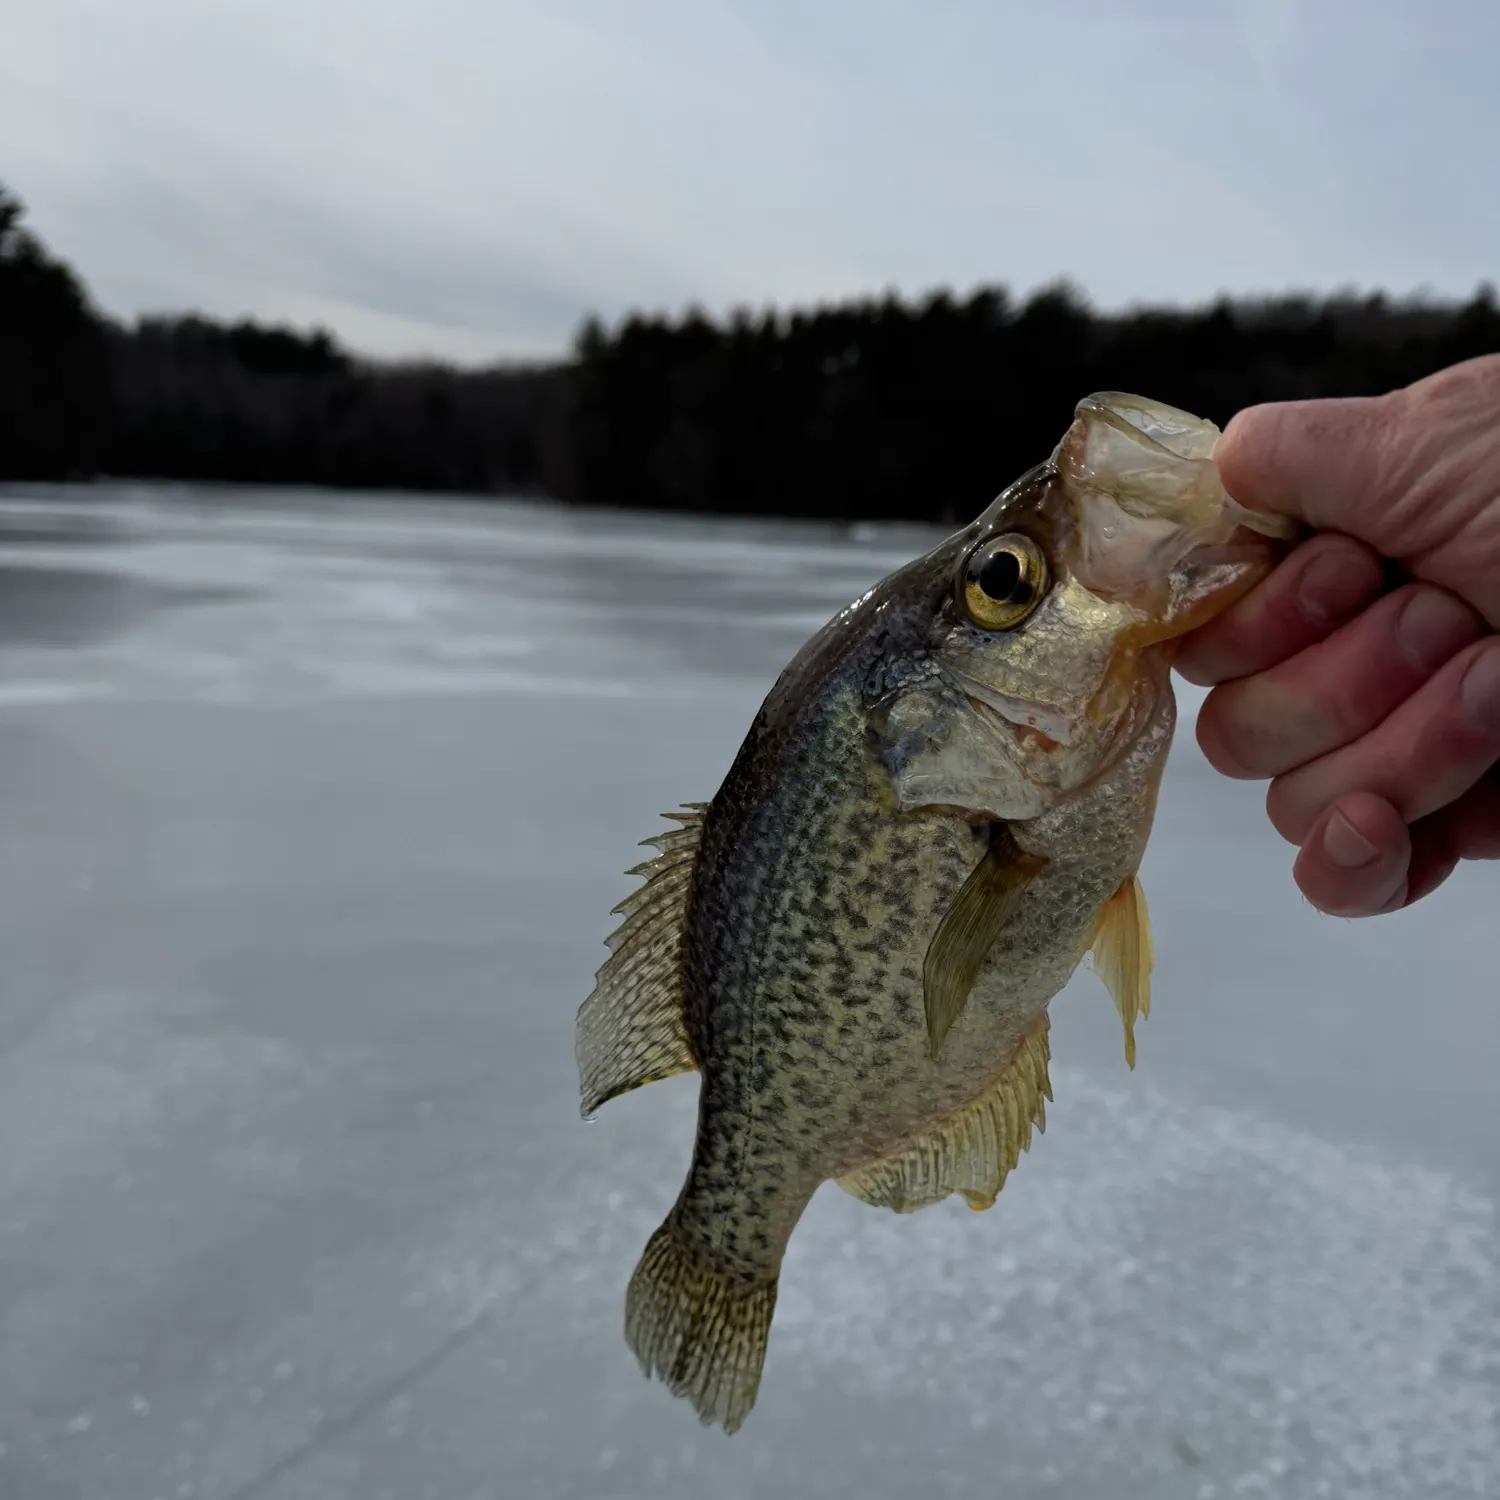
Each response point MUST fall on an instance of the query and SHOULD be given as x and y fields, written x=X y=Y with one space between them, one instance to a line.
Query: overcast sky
x=469 y=178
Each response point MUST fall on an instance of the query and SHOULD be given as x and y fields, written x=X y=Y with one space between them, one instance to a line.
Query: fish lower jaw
x=1040 y=720
x=1057 y=755
x=1029 y=735
x=1062 y=768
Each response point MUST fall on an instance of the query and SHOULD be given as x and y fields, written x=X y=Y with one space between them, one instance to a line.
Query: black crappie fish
x=938 y=812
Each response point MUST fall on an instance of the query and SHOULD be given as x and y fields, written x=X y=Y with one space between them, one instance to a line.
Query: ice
x=311 y=815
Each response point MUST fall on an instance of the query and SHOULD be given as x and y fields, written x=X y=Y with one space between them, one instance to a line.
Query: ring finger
x=1425 y=755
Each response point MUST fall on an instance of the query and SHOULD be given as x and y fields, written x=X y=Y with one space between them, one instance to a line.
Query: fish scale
x=856 y=941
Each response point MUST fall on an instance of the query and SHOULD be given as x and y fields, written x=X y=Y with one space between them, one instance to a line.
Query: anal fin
x=1124 y=956
x=975 y=1149
x=630 y=1030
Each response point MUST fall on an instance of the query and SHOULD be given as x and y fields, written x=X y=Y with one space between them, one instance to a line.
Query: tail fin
x=700 y=1331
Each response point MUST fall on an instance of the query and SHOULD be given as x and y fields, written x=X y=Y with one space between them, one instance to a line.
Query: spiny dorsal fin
x=630 y=1030
x=974 y=1149
x=1123 y=956
x=970 y=929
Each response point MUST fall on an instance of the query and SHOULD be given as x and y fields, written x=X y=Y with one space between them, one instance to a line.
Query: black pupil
x=1001 y=580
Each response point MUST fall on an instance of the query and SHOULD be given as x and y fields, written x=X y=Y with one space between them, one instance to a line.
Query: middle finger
x=1335 y=691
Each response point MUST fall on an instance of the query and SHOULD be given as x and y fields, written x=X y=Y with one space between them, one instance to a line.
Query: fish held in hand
x=937 y=814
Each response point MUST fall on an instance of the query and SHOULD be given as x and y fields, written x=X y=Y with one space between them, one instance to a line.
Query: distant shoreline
x=885 y=409
x=102 y=493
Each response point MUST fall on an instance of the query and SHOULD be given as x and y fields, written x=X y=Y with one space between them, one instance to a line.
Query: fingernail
x=1396 y=901
x=1479 y=692
x=1431 y=627
x=1345 y=845
x=1336 y=583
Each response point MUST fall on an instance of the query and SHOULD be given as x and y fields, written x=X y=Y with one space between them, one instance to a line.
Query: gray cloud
x=399 y=272
x=428 y=176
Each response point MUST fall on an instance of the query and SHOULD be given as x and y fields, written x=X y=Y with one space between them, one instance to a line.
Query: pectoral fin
x=970 y=929
x=1123 y=956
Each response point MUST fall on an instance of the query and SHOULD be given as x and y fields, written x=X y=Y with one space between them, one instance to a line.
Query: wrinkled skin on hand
x=1362 y=678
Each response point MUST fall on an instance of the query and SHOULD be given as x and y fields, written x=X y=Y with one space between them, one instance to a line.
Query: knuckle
x=1356 y=700
x=1470 y=380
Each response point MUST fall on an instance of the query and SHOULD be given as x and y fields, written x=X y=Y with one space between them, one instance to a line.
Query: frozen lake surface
x=311 y=815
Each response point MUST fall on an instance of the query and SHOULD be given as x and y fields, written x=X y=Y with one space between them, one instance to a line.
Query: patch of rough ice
x=39 y=693
x=1303 y=1317
x=113 y=1066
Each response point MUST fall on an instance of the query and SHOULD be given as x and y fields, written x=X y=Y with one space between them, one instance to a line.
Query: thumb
x=1322 y=462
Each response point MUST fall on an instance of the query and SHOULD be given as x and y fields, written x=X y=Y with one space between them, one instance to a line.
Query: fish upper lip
x=1018 y=711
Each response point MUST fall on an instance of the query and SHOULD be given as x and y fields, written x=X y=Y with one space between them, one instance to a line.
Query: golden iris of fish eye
x=1003 y=581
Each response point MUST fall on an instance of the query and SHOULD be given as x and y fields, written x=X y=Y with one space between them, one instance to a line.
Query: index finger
x=1315 y=589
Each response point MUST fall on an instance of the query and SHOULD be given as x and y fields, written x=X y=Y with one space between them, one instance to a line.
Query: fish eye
x=1003 y=581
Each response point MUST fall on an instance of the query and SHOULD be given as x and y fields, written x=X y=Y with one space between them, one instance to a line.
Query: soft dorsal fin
x=970 y=929
x=1123 y=956
x=630 y=1030
x=975 y=1149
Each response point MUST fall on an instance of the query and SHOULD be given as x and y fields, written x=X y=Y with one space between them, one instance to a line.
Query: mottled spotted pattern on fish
x=939 y=773
x=815 y=1023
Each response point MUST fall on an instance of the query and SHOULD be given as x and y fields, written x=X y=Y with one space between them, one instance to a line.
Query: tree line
x=83 y=396
x=881 y=408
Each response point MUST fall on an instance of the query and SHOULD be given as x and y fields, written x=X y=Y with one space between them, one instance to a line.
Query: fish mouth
x=1148 y=498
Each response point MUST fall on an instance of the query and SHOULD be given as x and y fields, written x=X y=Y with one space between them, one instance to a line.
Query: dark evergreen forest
x=879 y=408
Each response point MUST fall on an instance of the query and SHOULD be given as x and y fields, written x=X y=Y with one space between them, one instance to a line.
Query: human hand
x=1374 y=711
